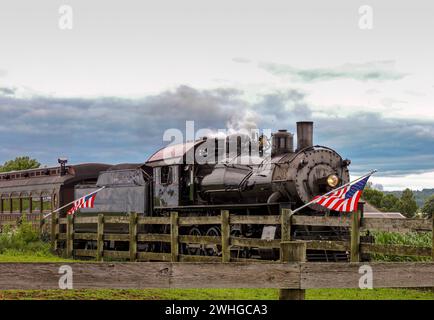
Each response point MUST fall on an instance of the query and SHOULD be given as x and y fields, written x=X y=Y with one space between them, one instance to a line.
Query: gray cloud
x=7 y=91
x=115 y=130
x=375 y=70
x=107 y=129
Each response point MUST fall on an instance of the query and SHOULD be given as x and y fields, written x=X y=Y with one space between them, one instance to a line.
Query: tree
x=390 y=203
x=372 y=196
x=407 y=204
x=20 y=163
x=428 y=207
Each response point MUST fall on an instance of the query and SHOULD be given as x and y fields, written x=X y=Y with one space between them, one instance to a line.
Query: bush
x=22 y=239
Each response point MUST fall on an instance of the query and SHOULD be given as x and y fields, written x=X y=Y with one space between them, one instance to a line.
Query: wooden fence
x=292 y=275
x=291 y=278
x=226 y=241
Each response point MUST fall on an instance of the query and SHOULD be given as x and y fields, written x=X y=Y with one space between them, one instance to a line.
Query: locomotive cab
x=173 y=175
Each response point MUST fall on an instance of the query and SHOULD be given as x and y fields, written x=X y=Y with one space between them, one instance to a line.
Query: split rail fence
x=225 y=241
x=292 y=274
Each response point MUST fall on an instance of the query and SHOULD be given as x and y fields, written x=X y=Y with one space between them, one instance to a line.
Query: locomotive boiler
x=288 y=175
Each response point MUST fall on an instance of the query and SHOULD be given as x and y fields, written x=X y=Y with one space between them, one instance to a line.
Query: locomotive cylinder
x=304 y=134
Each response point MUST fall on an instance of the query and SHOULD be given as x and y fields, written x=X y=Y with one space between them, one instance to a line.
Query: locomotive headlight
x=332 y=180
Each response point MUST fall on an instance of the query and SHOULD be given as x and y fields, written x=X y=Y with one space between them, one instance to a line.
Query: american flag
x=344 y=199
x=84 y=202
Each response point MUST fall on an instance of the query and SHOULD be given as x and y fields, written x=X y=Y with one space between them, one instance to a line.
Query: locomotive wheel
x=213 y=249
x=194 y=248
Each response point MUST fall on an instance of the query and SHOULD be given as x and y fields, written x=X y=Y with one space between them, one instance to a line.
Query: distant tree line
x=405 y=204
x=19 y=163
x=420 y=195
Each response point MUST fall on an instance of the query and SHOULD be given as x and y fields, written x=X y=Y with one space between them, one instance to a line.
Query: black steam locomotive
x=204 y=176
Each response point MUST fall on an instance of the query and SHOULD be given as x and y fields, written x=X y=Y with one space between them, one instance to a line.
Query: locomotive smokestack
x=304 y=134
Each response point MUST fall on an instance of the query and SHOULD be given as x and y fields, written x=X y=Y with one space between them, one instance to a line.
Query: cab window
x=166 y=176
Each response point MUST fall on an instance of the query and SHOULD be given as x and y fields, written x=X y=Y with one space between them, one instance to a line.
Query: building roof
x=370 y=208
x=396 y=215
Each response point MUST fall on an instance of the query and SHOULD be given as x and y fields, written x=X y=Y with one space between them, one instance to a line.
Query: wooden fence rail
x=226 y=241
x=142 y=275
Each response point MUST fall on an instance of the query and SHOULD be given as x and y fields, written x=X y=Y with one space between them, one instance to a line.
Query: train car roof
x=126 y=166
x=172 y=154
x=45 y=181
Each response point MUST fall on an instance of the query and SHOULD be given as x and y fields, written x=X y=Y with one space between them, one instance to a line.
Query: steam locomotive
x=201 y=177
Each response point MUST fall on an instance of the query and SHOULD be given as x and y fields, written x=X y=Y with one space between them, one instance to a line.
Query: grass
x=22 y=244
x=17 y=256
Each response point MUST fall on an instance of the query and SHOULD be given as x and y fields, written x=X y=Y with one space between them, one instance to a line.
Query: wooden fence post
x=285 y=221
x=69 y=235
x=226 y=236
x=355 y=236
x=292 y=251
x=133 y=236
x=100 y=238
x=54 y=228
x=174 y=236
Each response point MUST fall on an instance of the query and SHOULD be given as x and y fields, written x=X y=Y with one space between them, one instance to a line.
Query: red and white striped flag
x=84 y=202
x=344 y=199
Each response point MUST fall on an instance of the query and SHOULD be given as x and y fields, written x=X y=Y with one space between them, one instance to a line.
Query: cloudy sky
x=107 y=89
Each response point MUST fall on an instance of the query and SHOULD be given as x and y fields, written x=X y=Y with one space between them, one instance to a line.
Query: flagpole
x=334 y=190
x=49 y=214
